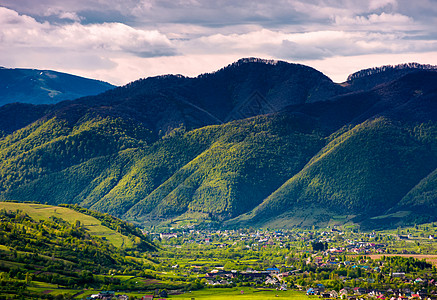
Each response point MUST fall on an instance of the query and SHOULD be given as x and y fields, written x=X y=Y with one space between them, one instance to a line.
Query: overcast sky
x=122 y=40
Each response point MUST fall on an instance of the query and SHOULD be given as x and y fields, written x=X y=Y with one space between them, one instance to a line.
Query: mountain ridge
x=163 y=148
x=45 y=86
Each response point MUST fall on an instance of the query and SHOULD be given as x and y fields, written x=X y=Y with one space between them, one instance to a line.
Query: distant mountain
x=369 y=78
x=45 y=86
x=257 y=143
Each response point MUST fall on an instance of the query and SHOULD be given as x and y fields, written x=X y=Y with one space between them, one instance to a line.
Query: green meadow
x=93 y=226
x=240 y=293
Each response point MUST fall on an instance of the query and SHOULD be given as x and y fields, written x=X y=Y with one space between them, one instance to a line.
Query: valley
x=189 y=261
x=261 y=180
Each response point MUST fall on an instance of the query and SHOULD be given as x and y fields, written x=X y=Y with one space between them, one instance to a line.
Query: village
x=332 y=263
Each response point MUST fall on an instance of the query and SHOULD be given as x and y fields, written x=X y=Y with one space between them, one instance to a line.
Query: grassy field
x=227 y=293
x=432 y=259
x=44 y=212
x=52 y=289
x=240 y=293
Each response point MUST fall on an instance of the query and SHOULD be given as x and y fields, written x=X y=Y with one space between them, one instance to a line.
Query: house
x=255 y=274
x=168 y=235
x=343 y=293
x=320 y=287
x=147 y=297
x=105 y=295
x=271 y=280
x=273 y=271
x=333 y=294
x=359 y=291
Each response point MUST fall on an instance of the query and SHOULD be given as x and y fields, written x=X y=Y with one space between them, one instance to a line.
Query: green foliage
x=264 y=166
x=365 y=170
x=58 y=247
x=243 y=162
x=127 y=229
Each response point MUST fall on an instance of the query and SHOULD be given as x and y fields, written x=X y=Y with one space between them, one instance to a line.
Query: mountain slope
x=45 y=86
x=156 y=149
x=370 y=78
x=368 y=169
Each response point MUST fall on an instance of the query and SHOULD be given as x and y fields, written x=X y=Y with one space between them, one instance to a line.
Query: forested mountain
x=246 y=88
x=369 y=78
x=45 y=86
x=256 y=143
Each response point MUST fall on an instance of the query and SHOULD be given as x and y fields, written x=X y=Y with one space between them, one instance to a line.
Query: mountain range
x=45 y=86
x=257 y=143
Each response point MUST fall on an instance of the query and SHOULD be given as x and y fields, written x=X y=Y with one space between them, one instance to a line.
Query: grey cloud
x=220 y=13
x=293 y=51
x=154 y=52
x=283 y=29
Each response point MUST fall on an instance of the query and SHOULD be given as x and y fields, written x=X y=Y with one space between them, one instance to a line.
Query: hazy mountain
x=45 y=86
x=298 y=150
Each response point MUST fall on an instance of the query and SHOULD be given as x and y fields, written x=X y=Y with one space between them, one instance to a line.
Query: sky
x=119 y=41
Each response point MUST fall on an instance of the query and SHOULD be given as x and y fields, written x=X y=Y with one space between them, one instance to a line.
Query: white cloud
x=389 y=20
x=302 y=46
x=114 y=37
x=61 y=14
x=18 y=31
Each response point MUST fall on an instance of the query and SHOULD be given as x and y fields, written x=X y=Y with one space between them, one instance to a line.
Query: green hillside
x=96 y=224
x=48 y=251
x=246 y=161
x=279 y=162
x=214 y=170
x=365 y=171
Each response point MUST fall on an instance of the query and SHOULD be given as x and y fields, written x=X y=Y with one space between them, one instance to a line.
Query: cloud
x=63 y=15
x=19 y=30
x=304 y=46
x=115 y=37
x=376 y=4
x=142 y=37
x=390 y=20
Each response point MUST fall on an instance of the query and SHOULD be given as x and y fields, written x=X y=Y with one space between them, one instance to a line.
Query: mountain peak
x=413 y=66
x=247 y=60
